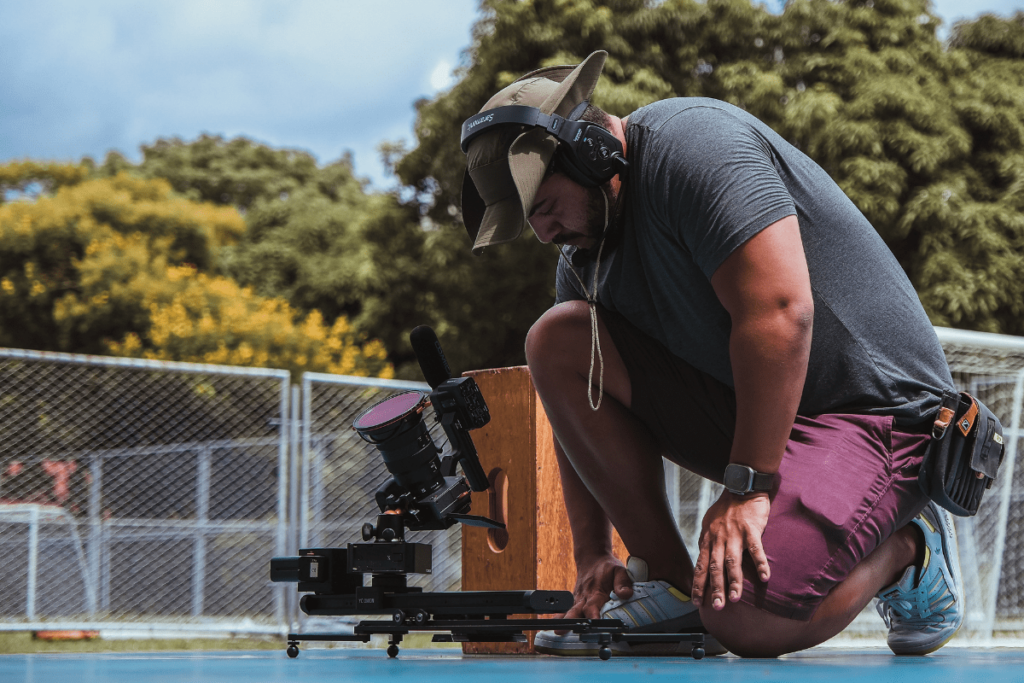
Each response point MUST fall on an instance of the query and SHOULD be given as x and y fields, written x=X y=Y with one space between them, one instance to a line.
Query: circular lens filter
x=390 y=410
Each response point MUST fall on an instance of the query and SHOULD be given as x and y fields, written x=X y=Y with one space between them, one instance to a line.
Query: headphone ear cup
x=592 y=158
x=568 y=163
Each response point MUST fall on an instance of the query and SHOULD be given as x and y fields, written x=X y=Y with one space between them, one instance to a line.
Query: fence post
x=95 y=529
x=703 y=503
x=672 y=487
x=293 y=494
x=202 y=517
x=1005 y=490
x=317 y=493
x=33 y=562
x=304 y=482
x=281 y=597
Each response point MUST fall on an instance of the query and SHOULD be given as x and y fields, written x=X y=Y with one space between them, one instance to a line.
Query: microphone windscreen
x=430 y=356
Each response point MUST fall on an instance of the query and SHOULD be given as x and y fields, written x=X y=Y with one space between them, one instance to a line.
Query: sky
x=326 y=76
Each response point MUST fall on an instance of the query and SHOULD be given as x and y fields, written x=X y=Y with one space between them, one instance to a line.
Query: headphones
x=589 y=154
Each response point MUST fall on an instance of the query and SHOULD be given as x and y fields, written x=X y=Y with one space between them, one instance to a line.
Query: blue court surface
x=445 y=666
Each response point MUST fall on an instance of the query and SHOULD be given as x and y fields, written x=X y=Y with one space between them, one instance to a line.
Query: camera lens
x=396 y=427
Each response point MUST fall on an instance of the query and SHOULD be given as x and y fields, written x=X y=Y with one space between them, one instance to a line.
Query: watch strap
x=763 y=482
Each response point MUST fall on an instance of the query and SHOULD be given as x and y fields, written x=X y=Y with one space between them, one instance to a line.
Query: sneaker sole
x=931 y=649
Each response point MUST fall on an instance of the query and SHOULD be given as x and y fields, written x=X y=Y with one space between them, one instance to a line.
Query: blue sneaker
x=924 y=614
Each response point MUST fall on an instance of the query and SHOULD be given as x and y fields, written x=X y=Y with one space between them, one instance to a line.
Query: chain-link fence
x=991 y=367
x=135 y=492
x=141 y=493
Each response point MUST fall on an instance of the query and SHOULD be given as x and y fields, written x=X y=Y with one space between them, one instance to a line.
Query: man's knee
x=750 y=632
x=556 y=336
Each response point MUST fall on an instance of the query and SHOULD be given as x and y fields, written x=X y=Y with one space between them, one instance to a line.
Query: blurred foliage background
x=228 y=251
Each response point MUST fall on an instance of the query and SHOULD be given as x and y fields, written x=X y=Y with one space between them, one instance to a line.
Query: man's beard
x=602 y=212
x=596 y=212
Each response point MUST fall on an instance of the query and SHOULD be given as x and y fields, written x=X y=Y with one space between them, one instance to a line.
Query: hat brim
x=505 y=220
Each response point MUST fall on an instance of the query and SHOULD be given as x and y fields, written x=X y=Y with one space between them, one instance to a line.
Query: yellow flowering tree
x=124 y=265
x=208 y=319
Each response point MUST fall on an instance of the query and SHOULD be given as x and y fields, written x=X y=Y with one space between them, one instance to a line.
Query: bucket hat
x=504 y=168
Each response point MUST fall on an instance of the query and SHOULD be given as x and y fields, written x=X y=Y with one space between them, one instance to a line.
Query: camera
x=424 y=489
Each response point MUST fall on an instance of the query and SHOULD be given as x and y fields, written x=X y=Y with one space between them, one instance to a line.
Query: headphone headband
x=593 y=154
x=517 y=115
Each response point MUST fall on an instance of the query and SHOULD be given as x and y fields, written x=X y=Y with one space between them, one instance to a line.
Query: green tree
x=968 y=264
x=237 y=172
x=302 y=221
x=306 y=232
x=71 y=263
x=924 y=138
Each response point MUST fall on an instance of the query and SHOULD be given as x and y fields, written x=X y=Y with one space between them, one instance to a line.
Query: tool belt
x=964 y=454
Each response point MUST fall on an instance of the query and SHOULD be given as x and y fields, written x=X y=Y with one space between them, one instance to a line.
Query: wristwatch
x=740 y=479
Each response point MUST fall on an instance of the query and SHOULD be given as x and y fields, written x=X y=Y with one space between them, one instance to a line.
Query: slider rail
x=441 y=604
x=601 y=632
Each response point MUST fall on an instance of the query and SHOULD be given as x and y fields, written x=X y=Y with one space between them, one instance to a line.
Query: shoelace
x=918 y=608
x=907 y=615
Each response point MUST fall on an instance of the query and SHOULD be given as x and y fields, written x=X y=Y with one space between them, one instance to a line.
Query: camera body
x=424 y=488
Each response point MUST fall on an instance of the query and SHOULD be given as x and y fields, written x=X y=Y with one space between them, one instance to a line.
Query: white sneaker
x=925 y=608
x=655 y=607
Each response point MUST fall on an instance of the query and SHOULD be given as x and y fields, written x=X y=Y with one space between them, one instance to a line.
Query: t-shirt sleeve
x=718 y=183
x=566 y=289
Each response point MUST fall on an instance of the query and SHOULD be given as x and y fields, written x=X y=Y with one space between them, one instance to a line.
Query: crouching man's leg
x=611 y=467
x=840 y=533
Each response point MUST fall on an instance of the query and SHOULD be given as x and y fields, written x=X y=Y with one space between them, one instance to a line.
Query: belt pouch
x=964 y=454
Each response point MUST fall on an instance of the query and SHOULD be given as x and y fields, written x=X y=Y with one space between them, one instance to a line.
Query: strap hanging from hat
x=595 y=339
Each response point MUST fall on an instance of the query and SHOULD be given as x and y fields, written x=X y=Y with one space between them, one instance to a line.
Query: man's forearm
x=591 y=530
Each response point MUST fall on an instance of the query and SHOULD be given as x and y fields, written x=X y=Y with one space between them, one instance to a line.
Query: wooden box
x=517 y=453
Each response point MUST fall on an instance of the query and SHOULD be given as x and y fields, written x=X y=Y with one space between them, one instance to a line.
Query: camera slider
x=333 y=578
x=497 y=629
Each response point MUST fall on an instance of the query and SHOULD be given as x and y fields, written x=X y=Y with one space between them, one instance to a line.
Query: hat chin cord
x=595 y=341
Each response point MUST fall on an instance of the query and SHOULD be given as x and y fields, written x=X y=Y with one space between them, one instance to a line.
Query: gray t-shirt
x=705 y=177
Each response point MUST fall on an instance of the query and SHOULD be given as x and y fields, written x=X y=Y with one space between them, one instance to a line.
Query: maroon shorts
x=847 y=482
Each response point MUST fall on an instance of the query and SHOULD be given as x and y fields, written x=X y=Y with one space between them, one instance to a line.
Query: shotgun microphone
x=458 y=404
x=430 y=356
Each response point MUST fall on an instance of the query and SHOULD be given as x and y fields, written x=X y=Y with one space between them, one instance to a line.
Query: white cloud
x=441 y=77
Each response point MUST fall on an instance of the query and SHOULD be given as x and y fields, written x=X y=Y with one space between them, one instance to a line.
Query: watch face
x=738 y=478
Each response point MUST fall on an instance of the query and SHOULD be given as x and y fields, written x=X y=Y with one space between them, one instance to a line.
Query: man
x=745 y=321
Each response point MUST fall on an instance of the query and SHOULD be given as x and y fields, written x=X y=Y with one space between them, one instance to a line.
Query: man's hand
x=732 y=525
x=595 y=579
